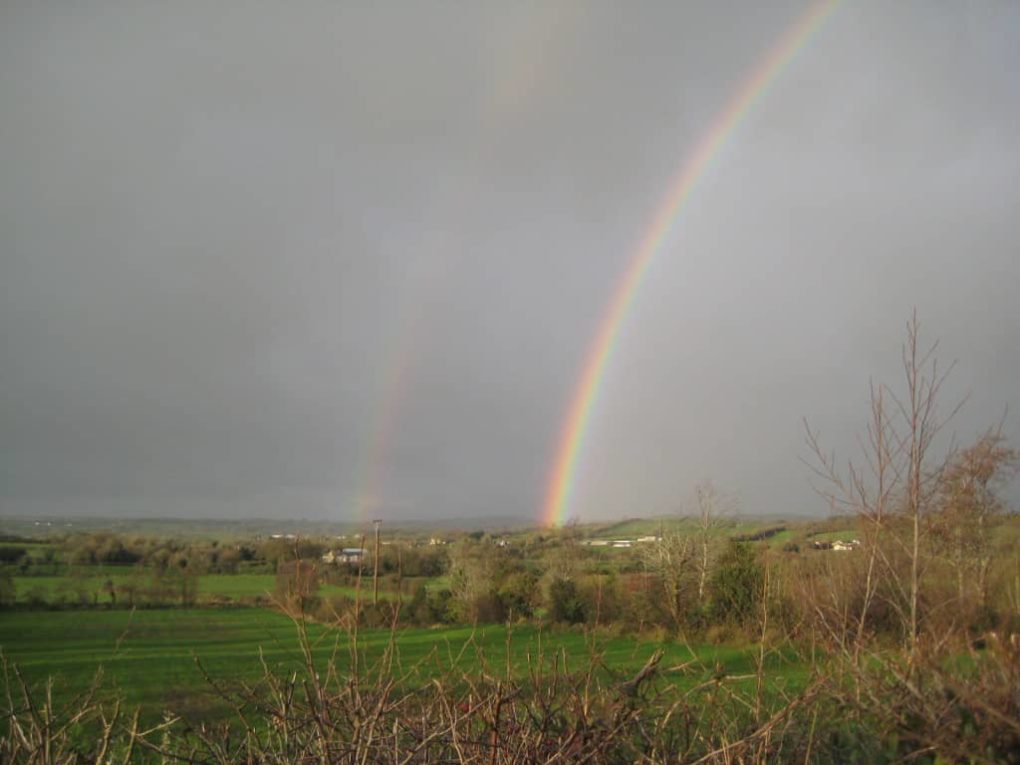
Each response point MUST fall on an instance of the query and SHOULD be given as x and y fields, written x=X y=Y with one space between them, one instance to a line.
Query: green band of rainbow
x=562 y=477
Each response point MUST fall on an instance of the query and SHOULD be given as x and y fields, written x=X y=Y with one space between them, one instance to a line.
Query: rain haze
x=343 y=260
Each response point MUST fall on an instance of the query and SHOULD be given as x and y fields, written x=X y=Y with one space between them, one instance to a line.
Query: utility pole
x=375 y=564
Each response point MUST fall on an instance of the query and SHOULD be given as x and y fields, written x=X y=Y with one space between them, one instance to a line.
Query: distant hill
x=223 y=528
x=228 y=528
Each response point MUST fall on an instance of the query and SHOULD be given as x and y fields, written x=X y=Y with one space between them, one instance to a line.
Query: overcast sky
x=345 y=259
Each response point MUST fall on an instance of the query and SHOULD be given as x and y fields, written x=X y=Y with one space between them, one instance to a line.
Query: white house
x=346 y=555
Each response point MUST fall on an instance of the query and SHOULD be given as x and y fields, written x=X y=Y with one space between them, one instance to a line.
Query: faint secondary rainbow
x=519 y=69
x=562 y=479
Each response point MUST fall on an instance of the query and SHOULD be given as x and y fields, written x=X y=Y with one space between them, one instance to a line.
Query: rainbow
x=563 y=475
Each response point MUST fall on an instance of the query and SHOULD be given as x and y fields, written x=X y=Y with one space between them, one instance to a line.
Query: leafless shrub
x=380 y=711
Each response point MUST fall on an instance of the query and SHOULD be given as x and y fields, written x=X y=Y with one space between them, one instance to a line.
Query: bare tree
x=871 y=500
x=473 y=570
x=681 y=559
x=669 y=559
x=712 y=505
x=919 y=411
x=892 y=488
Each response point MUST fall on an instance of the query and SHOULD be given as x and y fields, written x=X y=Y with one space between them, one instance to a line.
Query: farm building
x=348 y=555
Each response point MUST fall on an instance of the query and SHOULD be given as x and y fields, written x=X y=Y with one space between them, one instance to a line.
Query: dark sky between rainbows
x=345 y=260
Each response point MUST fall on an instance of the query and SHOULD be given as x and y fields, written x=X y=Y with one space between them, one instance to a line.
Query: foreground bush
x=382 y=712
x=881 y=708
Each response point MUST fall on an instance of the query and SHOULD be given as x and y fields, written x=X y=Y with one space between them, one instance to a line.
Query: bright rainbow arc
x=562 y=479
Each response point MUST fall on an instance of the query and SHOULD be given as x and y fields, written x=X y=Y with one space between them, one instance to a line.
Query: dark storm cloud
x=239 y=242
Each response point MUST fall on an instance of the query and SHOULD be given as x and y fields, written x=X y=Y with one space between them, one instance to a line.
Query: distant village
x=836 y=544
x=355 y=555
x=622 y=543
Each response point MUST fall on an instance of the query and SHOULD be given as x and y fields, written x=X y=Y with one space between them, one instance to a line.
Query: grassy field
x=237 y=587
x=832 y=536
x=28 y=546
x=724 y=526
x=149 y=656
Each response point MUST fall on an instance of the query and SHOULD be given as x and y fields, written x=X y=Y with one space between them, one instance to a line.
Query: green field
x=236 y=587
x=832 y=536
x=148 y=657
x=779 y=539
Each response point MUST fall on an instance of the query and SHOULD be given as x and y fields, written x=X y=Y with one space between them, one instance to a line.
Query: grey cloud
x=239 y=242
